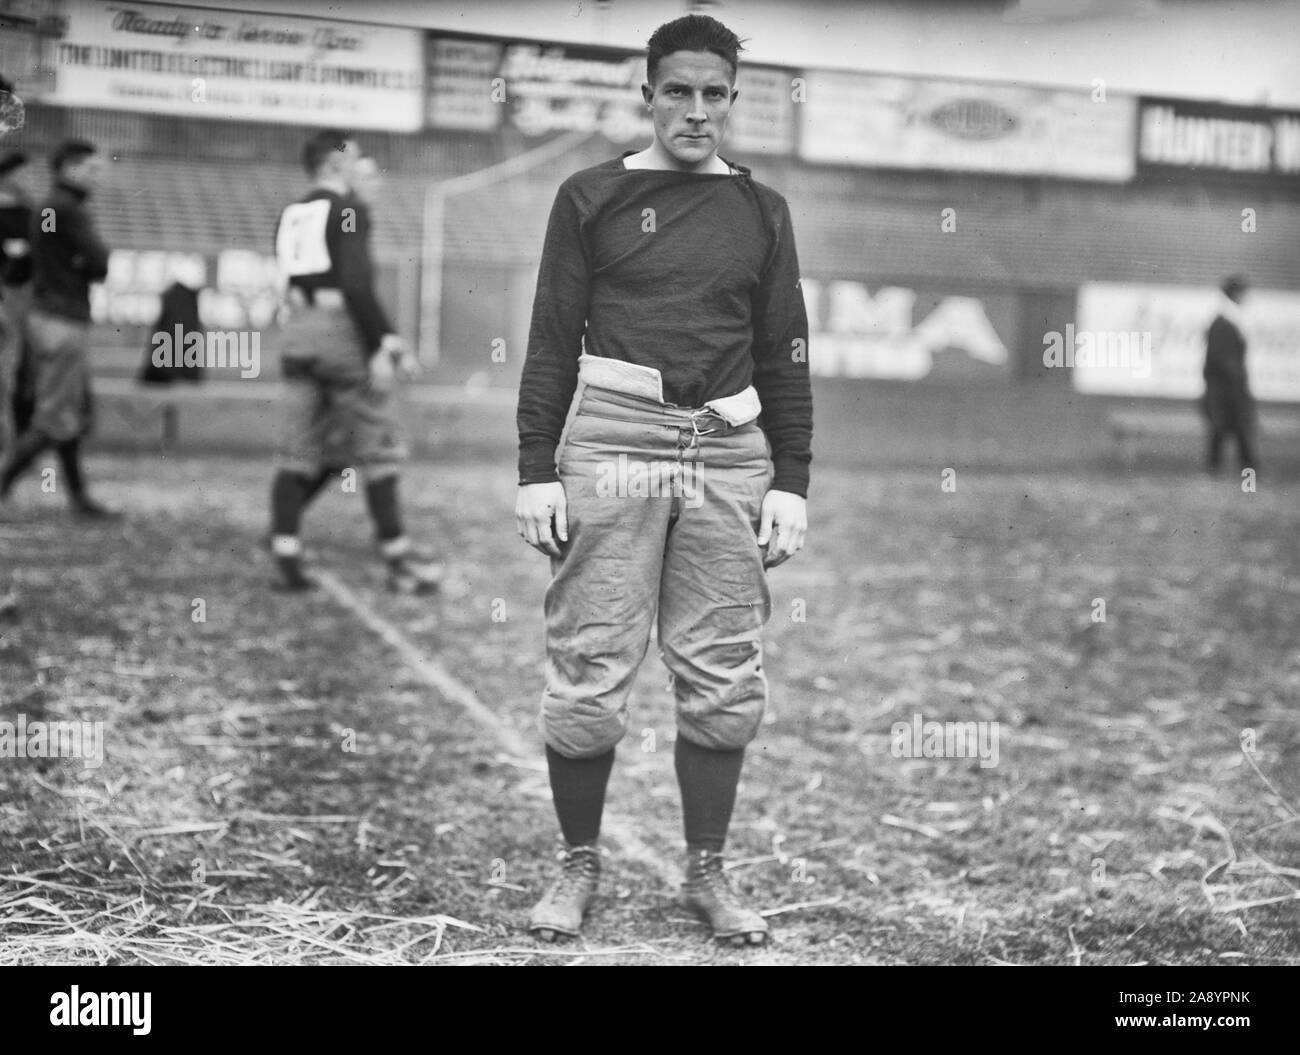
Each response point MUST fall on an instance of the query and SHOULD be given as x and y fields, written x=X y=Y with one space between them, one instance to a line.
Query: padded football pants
x=663 y=511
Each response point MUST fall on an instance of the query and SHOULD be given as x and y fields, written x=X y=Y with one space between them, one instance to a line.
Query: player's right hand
x=394 y=345
x=537 y=508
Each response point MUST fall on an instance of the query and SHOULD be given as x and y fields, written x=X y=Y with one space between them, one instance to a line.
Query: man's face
x=83 y=173
x=691 y=100
x=366 y=180
x=341 y=164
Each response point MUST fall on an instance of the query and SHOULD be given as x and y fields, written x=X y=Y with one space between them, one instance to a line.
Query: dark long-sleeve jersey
x=15 y=228
x=67 y=254
x=323 y=242
x=694 y=275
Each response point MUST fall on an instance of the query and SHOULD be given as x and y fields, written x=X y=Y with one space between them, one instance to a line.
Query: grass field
x=282 y=785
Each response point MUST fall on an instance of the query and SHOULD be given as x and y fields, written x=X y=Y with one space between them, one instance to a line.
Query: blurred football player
x=67 y=256
x=366 y=186
x=15 y=286
x=341 y=362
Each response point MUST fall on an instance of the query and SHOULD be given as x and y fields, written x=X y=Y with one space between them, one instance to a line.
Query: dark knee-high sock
x=316 y=484
x=70 y=460
x=287 y=501
x=1246 y=453
x=25 y=450
x=1215 y=453
x=578 y=788
x=381 y=500
x=708 y=780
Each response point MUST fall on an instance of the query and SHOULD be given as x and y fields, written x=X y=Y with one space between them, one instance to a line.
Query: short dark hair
x=1233 y=285
x=319 y=146
x=692 y=33
x=70 y=151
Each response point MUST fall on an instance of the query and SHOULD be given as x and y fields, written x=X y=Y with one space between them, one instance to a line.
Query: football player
x=669 y=285
x=341 y=361
x=67 y=255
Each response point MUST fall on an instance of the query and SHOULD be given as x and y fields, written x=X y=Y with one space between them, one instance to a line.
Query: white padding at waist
x=618 y=376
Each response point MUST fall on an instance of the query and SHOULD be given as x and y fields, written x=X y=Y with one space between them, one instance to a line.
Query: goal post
x=437 y=199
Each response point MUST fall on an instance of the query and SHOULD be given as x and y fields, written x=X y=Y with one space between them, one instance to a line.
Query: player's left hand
x=782 y=526
x=402 y=361
x=382 y=372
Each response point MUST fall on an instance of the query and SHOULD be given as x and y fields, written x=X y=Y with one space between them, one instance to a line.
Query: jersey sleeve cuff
x=791 y=477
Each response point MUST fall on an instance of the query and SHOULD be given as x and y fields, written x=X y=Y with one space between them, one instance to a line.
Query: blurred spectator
x=15 y=287
x=1228 y=405
x=178 y=312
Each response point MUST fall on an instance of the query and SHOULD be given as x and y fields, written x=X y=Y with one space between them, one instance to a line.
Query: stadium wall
x=1021 y=252
x=932 y=335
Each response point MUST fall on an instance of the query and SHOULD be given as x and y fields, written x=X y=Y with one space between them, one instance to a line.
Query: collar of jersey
x=741 y=171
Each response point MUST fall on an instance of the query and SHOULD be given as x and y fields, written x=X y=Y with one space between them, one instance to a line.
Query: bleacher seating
x=845 y=226
x=208 y=185
x=197 y=206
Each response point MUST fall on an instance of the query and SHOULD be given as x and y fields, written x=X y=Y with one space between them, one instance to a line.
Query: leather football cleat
x=566 y=900
x=708 y=893
x=286 y=552
x=414 y=573
x=292 y=578
x=89 y=509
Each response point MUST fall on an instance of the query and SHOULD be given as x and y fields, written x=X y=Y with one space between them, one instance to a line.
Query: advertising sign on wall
x=543 y=89
x=904 y=122
x=459 y=78
x=553 y=88
x=1181 y=134
x=762 y=121
x=1140 y=340
x=204 y=62
x=903 y=334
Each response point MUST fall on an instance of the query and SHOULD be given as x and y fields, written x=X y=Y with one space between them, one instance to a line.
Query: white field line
x=454 y=690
